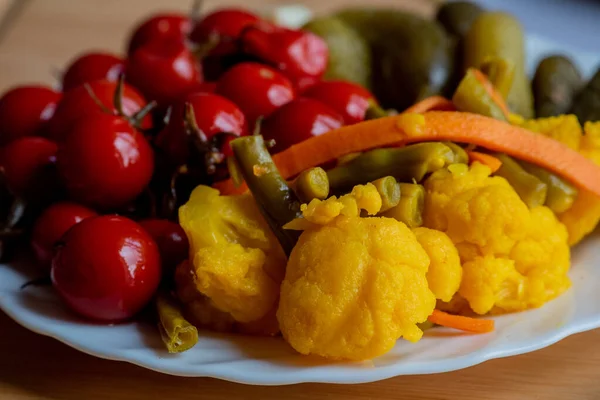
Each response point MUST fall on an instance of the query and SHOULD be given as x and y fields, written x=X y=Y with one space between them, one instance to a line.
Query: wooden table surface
x=40 y=38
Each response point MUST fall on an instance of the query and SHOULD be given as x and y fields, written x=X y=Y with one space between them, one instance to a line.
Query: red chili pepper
x=300 y=55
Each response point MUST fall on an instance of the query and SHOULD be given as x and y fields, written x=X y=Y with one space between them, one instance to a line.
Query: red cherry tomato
x=171 y=240
x=54 y=222
x=78 y=103
x=257 y=89
x=158 y=27
x=164 y=70
x=106 y=268
x=350 y=100
x=104 y=162
x=298 y=121
x=213 y=114
x=24 y=160
x=25 y=110
x=226 y=24
x=302 y=56
x=91 y=67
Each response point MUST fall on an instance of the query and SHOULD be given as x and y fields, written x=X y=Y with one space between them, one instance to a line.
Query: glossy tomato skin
x=91 y=67
x=348 y=99
x=25 y=111
x=257 y=89
x=159 y=27
x=164 y=70
x=299 y=120
x=24 y=160
x=213 y=114
x=52 y=224
x=227 y=25
x=302 y=56
x=172 y=242
x=78 y=103
x=104 y=162
x=106 y=268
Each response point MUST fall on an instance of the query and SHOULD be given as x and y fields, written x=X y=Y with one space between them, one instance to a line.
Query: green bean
x=375 y=111
x=410 y=207
x=312 y=184
x=275 y=199
x=389 y=190
x=460 y=155
x=471 y=95
x=530 y=188
x=176 y=332
x=561 y=194
x=405 y=164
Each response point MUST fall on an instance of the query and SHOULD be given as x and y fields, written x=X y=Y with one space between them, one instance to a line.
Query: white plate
x=270 y=361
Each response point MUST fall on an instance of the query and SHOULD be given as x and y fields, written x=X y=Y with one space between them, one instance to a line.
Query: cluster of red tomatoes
x=83 y=157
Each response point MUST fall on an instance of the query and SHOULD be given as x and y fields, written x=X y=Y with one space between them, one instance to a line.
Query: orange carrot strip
x=485 y=159
x=491 y=90
x=461 y=323
x=439 y=126
x=433 y=103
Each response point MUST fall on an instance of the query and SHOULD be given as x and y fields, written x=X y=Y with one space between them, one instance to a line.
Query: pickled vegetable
x=312 y=184
x=530 y=189
x=501 y=73
x=412 y=57
x=406 y=164
x=500 y=35
x=349 y=53
x=561 y=194
x=389 y=190
x=586 y=104
x=458 y=16
x=472 y=96
x=555 y=84
x=410 y=207
x=274 y=197
x=176 y=332
x=460 y=154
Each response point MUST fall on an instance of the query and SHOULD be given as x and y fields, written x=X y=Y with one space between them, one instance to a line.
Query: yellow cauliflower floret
x=236 y=262
x=445 y=272
x=583 y=217
x=353 y=287
x=513 y=258
x=363 y=197
x=564 y=128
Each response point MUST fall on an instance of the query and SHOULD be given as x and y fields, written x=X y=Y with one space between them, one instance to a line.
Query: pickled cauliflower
x=445 y=272
x=353 y=285
x=513 y=258
x=583 y=217
x=236 y=263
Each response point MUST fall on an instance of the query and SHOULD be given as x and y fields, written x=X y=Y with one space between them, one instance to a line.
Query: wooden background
x=37 y=40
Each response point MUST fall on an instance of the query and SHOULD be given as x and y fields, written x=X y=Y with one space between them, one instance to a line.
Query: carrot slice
x=491 y=90
x=461 y=323
x=439 y=126
x=433 y=103
x=485 y=159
